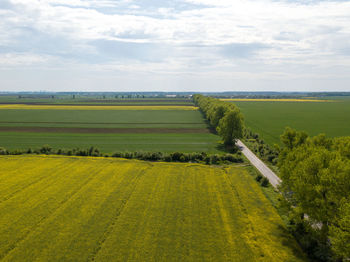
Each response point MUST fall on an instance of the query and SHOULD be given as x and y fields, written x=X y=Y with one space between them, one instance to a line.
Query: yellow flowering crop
x=59 y=208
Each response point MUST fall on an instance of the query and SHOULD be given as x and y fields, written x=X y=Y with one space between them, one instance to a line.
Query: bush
x=3 y=151
x=265 y=182
x=16 y=152
x=176 y=156
x=117 y=154
x=46 y=149
x=94 y=152
x=214 y=159
x=128 y=155
x=167 y=158
x=258 y=177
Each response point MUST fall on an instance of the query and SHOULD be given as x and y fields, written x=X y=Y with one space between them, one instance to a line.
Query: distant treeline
x=316 y=182
x=204 y=158
x=224 y=117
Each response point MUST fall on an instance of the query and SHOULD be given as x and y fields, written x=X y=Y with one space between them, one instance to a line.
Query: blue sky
x=178 y=45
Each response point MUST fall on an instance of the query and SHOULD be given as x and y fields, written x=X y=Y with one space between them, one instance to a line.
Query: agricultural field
x=93 y=100
x=331 y=116
x=117 y=127
x=57 y=208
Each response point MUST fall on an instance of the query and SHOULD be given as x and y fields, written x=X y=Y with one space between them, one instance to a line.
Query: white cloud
x=22 y=59
x=248 y=38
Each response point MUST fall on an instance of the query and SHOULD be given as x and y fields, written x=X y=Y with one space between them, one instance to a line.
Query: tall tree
x=230 y=126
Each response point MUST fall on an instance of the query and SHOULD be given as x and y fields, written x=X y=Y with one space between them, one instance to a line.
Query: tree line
x=227 y=120
x=316 y=183
x=225 y=117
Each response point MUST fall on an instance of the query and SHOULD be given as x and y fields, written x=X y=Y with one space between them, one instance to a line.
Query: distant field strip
x=100 y=104
x=92 y=209
x=103 y=130
x=94 y=107
x=103 y=118
x=98 y=123
x=274 y=100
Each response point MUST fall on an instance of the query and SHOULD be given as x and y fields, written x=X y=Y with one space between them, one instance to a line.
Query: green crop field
x=93 y=209
x=270 y=118
x=165 y=128
x=109 y=143
x=94 y=100
x=103 y=118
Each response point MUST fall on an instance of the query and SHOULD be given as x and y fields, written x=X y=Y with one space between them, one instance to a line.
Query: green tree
x=340 y=232
x=216 y=113
x=291 y=138
x=230 y=126
x=316 y=180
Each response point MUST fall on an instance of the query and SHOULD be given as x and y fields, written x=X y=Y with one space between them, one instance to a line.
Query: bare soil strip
x=104 y=130
x=102 y=123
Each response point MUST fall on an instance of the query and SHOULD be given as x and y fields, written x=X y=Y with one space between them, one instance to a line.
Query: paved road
x=264 y=170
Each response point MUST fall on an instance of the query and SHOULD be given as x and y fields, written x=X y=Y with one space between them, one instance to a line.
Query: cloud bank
x=179 y=45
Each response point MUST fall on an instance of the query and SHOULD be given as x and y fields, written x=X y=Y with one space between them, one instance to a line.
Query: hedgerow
x=210 y=159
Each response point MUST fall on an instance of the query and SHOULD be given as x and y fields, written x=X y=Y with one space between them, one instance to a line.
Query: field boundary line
x=101 y=123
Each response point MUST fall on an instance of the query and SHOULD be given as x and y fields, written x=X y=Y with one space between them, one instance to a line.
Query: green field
x=94 y=100
x=270 y=118
x=103 y=118
x=152 y=128
x=94 y=209
x=110 y=143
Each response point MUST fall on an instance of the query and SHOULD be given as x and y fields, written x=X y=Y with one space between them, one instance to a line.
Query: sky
x=174 y=45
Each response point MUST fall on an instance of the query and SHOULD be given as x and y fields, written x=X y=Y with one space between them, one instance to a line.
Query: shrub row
x=182 y=157
x=209 y=159
x=259 y=147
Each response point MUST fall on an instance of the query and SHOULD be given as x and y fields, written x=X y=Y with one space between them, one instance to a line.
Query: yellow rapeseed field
x=97 y=107
x=56 y=208
x=273 y=100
